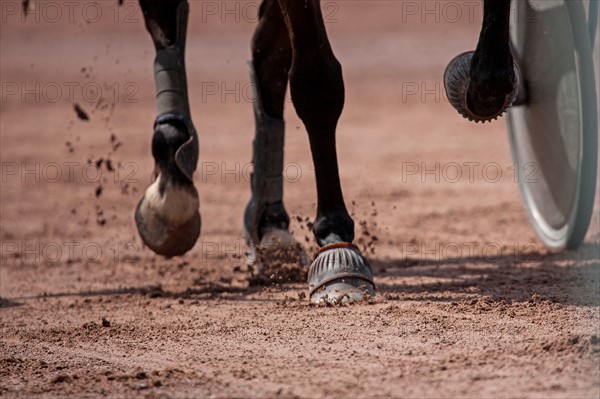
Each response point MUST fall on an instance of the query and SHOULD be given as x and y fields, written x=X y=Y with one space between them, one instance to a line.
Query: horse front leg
x=274 y=254
x=482 y=84
x=167 y=216
x=339 y=272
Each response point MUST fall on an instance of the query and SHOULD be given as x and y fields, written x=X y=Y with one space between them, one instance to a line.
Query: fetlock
x=332 y=227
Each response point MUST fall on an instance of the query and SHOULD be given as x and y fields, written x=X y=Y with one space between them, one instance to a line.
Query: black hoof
x=456 y=82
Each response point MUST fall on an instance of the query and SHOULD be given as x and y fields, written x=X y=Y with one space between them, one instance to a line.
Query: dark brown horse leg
x=482 y=84
x=167 y=216
x=266 y=221
x=317 y=90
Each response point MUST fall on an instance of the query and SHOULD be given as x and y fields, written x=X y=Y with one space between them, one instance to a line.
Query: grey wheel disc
x=554 y=136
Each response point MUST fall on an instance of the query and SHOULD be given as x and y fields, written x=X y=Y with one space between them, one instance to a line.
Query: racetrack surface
x=470 y=303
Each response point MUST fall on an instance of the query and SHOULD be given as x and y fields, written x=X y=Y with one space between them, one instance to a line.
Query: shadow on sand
x=569 y=278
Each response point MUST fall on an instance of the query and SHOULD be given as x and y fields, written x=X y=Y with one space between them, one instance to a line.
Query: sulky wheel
x=554 y=131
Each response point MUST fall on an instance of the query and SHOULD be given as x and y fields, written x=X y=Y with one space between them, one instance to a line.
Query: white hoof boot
x=340 y=274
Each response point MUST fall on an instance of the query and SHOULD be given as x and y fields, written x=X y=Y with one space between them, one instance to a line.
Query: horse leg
x=266 y=221
x=167 y=216
x=317 y=89
x=482 y=84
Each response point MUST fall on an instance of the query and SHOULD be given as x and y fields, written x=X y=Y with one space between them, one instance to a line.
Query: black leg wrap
x=265 y=208
x=167 y=216
x=172 y=105
x=273 y=253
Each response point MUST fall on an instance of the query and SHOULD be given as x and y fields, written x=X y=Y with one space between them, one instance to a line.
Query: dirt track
x=470 y=304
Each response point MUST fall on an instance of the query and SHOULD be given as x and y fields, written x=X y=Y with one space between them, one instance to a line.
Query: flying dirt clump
x=81 y=114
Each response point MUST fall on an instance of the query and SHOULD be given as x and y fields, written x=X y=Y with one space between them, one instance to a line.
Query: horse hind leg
x=167 y=217
x=482 y=84
x=274 y=254
x=339 y=271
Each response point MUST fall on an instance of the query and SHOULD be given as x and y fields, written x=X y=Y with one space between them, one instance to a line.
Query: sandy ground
x=470 y=303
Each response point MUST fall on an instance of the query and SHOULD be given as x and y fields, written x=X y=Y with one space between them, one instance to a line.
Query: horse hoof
x=169 y=222
x=456 y=82
x=340 y=274
x=278 y=258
